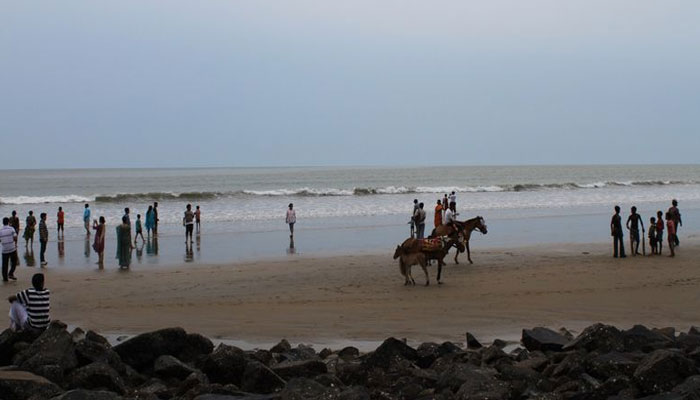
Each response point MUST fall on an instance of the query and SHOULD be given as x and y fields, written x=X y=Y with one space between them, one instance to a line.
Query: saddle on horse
x=432 y=244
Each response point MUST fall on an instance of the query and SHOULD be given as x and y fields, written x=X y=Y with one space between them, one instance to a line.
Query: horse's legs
x=439 y=276
x=423 y=265
x=469 y=254
x=456 y=255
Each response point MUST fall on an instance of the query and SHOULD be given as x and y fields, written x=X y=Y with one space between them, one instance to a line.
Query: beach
x=362 y=299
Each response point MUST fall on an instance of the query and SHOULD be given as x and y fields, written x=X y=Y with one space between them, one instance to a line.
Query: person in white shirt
x=8 y=237
x=451 y=216
x=291 y=219
x=453 y=198
x=419 y=218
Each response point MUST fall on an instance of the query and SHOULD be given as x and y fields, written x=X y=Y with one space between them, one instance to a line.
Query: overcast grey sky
x=248 y=83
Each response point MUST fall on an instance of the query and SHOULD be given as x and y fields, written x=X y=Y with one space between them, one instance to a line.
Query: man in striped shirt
x=30 y=308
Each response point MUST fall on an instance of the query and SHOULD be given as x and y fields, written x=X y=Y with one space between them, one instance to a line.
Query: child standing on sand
x=139 y=229
x=671 y=228
x=659 y=230
x=652 y=235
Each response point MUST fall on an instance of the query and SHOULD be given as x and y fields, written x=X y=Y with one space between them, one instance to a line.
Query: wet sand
x=359 y=298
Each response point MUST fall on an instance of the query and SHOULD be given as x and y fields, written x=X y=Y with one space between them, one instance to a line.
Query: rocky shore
x=603 y=362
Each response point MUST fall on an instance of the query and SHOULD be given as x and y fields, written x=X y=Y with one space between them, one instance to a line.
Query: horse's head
x=481 y=225
x=398 y=252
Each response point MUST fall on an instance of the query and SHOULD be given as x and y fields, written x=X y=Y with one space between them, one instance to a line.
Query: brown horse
x=464 y=229
x=406 y=261
x=410 y=247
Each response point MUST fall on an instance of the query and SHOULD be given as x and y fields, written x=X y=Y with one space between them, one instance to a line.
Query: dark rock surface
x=21 y=385
x=543 y=339
x=602 y=362
x=141 y=351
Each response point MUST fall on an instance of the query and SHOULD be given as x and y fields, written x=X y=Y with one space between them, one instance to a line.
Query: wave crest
x=311 y=192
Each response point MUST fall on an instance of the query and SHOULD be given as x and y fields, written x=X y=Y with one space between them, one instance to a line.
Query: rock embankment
x=602 y=362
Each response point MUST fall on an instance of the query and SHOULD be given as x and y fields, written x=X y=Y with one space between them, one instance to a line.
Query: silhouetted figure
x=659 y=230
x=671 y=228
x=633 y=222
x=616 y=232
x=676 y=218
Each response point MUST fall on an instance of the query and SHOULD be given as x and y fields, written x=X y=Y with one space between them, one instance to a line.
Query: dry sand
x=335 y=300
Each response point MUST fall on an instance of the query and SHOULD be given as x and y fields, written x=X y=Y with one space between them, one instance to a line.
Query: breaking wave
x=316 y=192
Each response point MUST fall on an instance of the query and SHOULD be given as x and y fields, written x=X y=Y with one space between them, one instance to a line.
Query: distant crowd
x=445 y=214
x=11 y=230
x=655 y=232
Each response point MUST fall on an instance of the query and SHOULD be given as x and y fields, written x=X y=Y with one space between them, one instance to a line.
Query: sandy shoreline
x=361 y=298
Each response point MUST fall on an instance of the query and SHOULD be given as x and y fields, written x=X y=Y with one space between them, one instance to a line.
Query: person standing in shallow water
x=155 y=218
x=14 y=222
x=197 y=219
x=291 y=219
x=188 y=222
x=616 y=233
x=59 y=223
x=30 y=228
x=124 y=245
x=633 y=222
x=150 y=220
x=99 y=244
x=43 y=238
x=86 y=219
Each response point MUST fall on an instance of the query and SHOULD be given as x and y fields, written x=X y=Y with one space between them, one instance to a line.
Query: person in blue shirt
x=86 y=218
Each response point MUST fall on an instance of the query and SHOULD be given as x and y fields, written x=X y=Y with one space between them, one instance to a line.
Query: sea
x=340 y=210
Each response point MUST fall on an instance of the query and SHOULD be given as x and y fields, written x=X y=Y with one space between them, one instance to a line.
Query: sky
x=139 y=83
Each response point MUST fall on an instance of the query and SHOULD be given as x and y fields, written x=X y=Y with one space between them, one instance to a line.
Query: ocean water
x=365 y=208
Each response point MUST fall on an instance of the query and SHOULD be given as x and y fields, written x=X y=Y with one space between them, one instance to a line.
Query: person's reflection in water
x=61 y=249
x=189 y=253
x=87 y=246
x=199 y=243
x=149 y=246
x=139 y=252
x=291 y=249
x=29 y=256
x=155 y=245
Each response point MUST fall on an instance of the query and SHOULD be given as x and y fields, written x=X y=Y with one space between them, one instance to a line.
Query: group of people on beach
x=655 y=231
x=9 y=235
x=445 y=214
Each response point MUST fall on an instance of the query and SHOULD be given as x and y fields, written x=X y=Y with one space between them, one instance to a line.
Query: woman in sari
x=150 y=220
x=124 y=245
x=438 y=214
x=99 y=243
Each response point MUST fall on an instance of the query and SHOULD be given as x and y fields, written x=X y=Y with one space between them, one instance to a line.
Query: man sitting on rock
x=30 y=307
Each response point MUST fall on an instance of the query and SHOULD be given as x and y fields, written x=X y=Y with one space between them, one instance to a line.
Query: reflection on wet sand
x=291 y=249
x=87 y=247
x=189 y=253
x=29 y=256
x=61 y=249
x=139 y=252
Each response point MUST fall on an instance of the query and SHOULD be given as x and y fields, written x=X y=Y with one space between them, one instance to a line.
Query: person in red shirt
x=671 y=227
x=59 y=221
